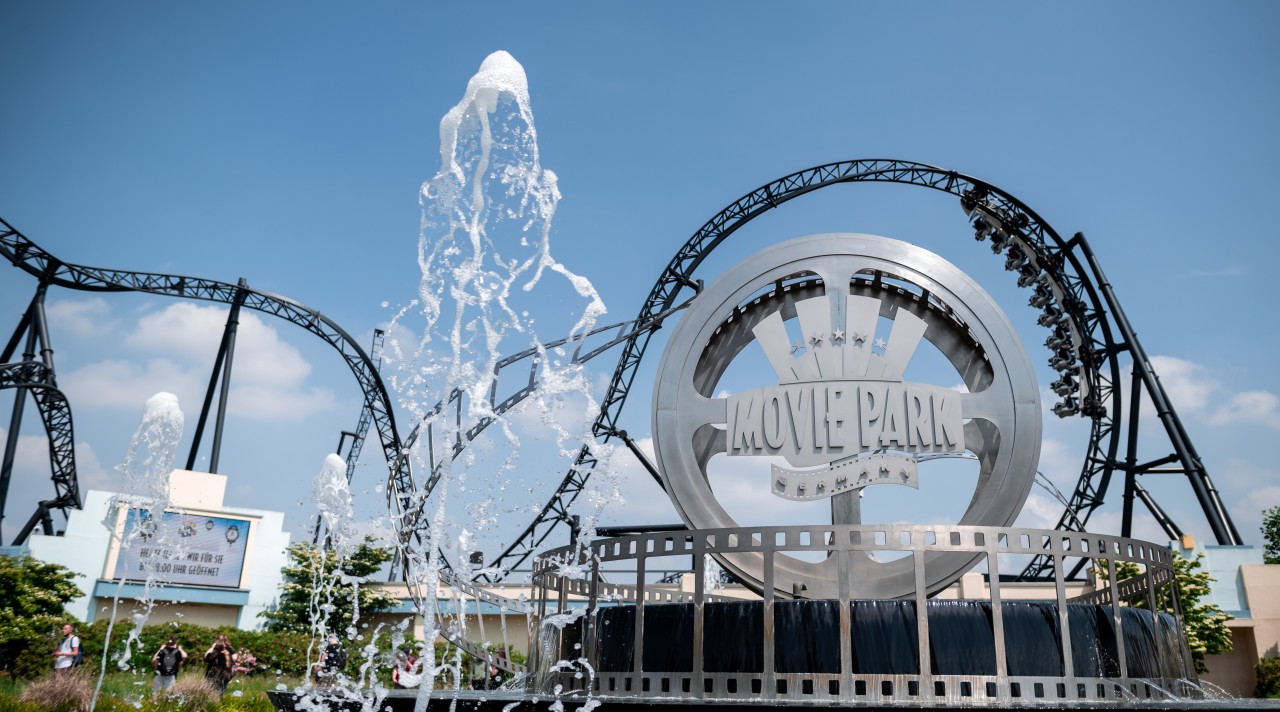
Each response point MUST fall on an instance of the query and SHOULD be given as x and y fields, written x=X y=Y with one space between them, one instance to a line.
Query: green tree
x=1205 y=624
x=321 y=589
x=33 y=598
x=1271 y=536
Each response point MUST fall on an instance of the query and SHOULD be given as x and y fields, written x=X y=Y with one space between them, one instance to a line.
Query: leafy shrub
x=65 y=692
x=32 y=599
x=286 y=652
x=1268 y=672
x=274 y=653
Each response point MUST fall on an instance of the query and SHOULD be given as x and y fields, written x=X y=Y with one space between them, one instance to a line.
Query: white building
x=225 y=572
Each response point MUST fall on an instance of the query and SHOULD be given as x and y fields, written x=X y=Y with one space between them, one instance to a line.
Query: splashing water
x=147 y=466
x=484 y=248
x=331 y=497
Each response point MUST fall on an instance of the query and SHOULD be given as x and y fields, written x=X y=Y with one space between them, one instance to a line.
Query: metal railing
x=572 y=598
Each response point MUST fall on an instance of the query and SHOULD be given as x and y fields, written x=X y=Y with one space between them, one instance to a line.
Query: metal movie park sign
x=839 y=318
x=839 y=399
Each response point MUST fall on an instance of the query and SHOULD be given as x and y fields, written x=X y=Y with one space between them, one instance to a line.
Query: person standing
x=404 y=675
x=492 y=680
x=167 y=661
x=332 y=660
x=217 y=670
x=68 y=650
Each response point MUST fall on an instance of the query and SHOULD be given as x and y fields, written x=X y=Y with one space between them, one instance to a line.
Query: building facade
x=223 y=567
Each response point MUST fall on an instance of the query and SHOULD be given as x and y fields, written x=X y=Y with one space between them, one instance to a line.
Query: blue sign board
x=183 y=548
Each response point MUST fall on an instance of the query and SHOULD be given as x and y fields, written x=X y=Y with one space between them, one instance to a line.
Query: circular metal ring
x=926 y=298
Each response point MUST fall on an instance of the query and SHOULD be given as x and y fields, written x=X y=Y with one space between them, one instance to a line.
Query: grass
x=130 y=691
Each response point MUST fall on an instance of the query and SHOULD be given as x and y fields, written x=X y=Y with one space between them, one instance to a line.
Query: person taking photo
x=167 y=661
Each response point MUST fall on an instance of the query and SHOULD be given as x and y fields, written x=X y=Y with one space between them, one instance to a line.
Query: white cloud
x=178 y=345
x=1250 y=408
x=262 y=401
x=1145 y=526
x=88 y=318
x=1248 y=488
x=1185 y=382
x=638 y=498
x=1060 y=462
x=1040 y=512
x=31 y=478
x=1192 y=391
x=194 y=332
x=127 y=384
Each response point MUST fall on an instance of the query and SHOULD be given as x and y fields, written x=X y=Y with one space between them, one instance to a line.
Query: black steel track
x=55 y=412
x=29 y=257
x=1086 y=309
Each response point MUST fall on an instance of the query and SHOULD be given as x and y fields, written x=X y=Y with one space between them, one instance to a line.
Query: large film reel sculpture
x=840 y=413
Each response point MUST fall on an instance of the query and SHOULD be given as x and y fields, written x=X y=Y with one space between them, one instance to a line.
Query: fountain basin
x=615 y=641
x=507 y=701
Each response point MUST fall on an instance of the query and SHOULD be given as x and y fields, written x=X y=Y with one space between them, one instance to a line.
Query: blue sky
x=285 y=143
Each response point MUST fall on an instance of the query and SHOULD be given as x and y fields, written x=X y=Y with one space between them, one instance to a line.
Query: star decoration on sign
x=858 y=338
x=816 y=339
x=796 y=347
x=837 y=337
x=880 y=344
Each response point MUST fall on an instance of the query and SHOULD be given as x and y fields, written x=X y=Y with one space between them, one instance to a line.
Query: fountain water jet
x=484 y=251
x=147 y=465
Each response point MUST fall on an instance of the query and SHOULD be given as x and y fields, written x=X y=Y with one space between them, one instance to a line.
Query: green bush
x=1268 y=672
x=276 y=653
x=286 y=652
x=32 y=599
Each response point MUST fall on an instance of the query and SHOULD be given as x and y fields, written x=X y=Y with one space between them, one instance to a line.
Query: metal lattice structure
x=55 y=412
x=51 y=271
x=1090 y=333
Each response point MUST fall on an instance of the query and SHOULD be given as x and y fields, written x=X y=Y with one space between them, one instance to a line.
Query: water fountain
x=843 y=613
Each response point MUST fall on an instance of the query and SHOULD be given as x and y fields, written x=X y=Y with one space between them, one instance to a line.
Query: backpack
x=335 y=657
x=79 y=648
x=168 y=660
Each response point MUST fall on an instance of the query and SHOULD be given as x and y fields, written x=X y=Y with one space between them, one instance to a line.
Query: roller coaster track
x=49 y=270
x=55 y=412
x=1090 y=333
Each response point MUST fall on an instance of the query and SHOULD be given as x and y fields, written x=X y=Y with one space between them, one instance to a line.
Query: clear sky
x=285 y=143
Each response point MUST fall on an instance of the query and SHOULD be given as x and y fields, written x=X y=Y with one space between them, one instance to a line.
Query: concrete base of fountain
x=884 y=674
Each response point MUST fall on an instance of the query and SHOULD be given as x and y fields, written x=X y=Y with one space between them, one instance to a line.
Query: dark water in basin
x=883 y=639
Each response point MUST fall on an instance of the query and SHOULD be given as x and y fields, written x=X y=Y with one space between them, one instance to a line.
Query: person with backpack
x=68 y=652
x=167 y=661
x=332 y=660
